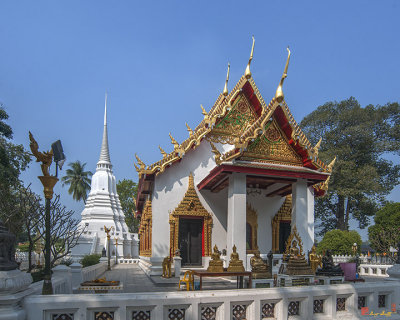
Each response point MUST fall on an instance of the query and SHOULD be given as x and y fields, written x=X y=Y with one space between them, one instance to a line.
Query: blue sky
x=159 y=60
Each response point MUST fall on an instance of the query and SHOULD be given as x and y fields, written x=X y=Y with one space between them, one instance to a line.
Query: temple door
x=190 y=241
x=284 y=233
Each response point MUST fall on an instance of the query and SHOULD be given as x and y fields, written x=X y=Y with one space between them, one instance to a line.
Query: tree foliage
x=340 y=242
x=64 y=229
x=127 y=192
x=78 y=180
x=13 y=160
x=386 y=231
x=362 y=177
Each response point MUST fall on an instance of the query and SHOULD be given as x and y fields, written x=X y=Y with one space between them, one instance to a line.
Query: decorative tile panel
x=62 y=316
x=294 y=308
x=319 y=306
x=340 y=304
x=239 y=312
x=176 y=314
x=141 y=315
x=268 y=310
x=362 y=302
x=381 y=301
x=208 y=313
x=104 y=315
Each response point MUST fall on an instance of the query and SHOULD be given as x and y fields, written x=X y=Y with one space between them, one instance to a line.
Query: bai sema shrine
x=245 y=176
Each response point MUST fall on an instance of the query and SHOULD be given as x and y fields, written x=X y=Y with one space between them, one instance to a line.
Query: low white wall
x=194 y=303
x=375 y=270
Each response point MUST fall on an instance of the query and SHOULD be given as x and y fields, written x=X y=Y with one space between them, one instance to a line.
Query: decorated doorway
x=190 y=228
x=281 y=226
x=190 y=241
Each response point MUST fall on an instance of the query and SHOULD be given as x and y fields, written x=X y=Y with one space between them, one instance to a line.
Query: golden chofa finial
x=225 y=92
x=279 y=92
x=330 y=166
x=203 y=111
x=164 y=154
x=173 y=141
x=189 y=129
x=140 y=162
x=316 y=148
x=247 y=73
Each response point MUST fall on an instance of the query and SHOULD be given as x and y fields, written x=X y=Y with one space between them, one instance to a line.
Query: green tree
x=13 y=160
x=362 y=177
x=78 y=180
x=127 y=192
x=340 y=242
x=385 y=233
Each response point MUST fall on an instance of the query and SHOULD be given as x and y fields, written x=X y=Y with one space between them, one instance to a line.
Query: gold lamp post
x=48 y=182
x=107 y=231
x=354 y=248
x=116 y=250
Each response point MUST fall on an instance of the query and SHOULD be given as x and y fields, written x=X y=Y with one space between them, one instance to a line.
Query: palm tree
x=78 y=180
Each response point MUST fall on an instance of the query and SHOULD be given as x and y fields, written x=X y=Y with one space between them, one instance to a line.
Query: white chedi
x=103 y=208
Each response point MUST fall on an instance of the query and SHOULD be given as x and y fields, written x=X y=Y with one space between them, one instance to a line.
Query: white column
x=303 y=212
x=236 y=233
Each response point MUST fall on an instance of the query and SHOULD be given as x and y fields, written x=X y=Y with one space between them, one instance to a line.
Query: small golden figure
x=166 y=266
x=315 y=260
x=235 y=265
x=215 y=264
x=259 y=269
x=46 y=158
x=107 y=230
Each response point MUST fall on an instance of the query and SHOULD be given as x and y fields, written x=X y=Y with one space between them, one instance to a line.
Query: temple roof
x=258 y=133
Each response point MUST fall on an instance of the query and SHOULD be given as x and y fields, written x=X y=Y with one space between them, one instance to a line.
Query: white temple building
x=246 y=176
x=103 y=208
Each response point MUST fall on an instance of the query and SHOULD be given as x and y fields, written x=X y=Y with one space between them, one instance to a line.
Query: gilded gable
x=272 y=146
x=234 y=123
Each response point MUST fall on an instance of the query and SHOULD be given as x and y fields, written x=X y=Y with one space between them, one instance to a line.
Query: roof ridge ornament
x=330 y=166
x=279 y=92
x=189 y=129
x=164 y=154
x=225 y=92
x=140 y=162
x=173 y=141
x=204 y=112
x=316 y=148
x=247 y=73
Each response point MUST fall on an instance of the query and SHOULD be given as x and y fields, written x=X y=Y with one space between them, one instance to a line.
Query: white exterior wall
x=170 y=188
x=303 y=212
x=266 y=208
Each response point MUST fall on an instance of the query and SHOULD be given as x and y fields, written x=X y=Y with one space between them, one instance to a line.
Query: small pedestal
x=285 y=280
x=329 y=280
x=177 y=266
x=261 y=283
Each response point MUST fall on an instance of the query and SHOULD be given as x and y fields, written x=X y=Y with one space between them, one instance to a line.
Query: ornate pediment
x=235 y=122
x=272 y=146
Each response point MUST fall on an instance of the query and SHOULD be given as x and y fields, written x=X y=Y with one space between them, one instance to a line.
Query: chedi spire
x=104 y=152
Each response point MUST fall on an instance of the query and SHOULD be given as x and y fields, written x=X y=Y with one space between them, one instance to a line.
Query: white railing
x=93 y=272
x=377 y=270
x=128 y=261
x=339 y=301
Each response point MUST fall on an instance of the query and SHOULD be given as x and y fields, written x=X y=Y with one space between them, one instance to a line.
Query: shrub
x=23 y=247
x=90 y=260
x=340 y=242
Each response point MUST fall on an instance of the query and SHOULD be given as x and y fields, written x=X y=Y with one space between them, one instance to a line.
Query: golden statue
x=315 y=260
x=296 y=261
x=215 y=264
x=259 y=269
x=279 y=92
x=46 y=158
x=235 y=265
x=166 y=267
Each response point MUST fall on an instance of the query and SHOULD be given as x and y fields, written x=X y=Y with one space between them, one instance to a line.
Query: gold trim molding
x=284 y=214
x=145 y=230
